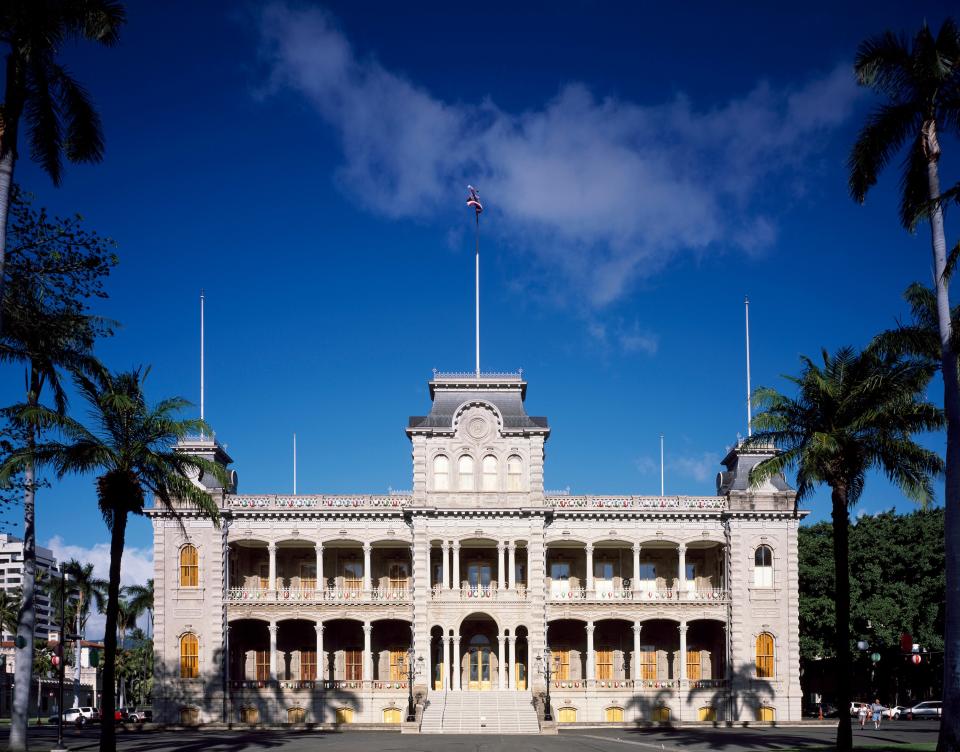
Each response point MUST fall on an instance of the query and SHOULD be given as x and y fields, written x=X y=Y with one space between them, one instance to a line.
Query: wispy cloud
x=135 y=569
x=599 y=191
x=700 y=467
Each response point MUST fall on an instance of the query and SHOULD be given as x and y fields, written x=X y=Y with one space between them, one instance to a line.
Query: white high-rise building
x=11 y=574
x=303 y=608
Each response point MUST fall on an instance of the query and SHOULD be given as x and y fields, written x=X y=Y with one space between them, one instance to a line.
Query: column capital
x=271 y=546
x=273 y=627
x=511 y=638
x=636 y=628
x=445 y=545
x=318 y=627
x=367 y=627
x=455 y=545
x=590 y=626
x=456 y=639
x=367 y=547
x=318 y=546
x=501 y=638
x=588 y=548
x=682 y=627
x=637 y=547
x=682 y=548
x=511 y=545
x=501 y=546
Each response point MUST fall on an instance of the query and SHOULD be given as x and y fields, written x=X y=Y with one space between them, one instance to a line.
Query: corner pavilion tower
x=309 y=608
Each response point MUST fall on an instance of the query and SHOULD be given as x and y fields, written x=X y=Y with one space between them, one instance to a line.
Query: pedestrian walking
x=862 y=713
x=877 y=709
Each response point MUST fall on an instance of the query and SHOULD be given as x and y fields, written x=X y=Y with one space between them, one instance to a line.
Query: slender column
x=637 y=671
x=589 y=568
x=321 y=582
x=367 y=652
x=502 y=580
x=591 y=657
x=273 y=650
x=457 y=668
x=445 y=552
x=321 y=664
x=682 y=673
x=635 y=580
x=512 y=667
x=367 y=581
x=445 y=674
x=682 y=567
x=272 y=551
x=512 y=565
x=501 y=663
x=455 y=553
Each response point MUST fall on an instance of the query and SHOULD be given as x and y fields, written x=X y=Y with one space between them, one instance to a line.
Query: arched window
x=189 y=656
x=764 y=655
x=489 y=473
x=763 y=567
x=441 y=473
x=189 y=566
x=514 y=473
x=465 y=471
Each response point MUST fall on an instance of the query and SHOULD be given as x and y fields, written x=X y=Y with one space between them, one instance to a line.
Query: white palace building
x=304 y=609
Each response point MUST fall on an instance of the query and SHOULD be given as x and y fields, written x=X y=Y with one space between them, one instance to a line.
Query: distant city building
x=11 y=574
x=654 y=608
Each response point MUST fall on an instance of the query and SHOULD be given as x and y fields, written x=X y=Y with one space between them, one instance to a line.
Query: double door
x=478 y=669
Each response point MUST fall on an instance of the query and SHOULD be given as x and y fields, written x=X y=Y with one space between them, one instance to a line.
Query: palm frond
x=82 y=127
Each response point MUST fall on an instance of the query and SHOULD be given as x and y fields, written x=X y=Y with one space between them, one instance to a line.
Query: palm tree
x=921 y=338
x=856 y=412
x=48 y=342
x=86 y=590
x=9 y=606
x=60 y=117
x=920 y=83
x=132 y=446
x=126 y=619
x=140 y=598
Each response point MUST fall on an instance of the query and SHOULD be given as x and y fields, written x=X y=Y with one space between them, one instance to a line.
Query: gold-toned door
x=478 y=677
x=438 y=675
x=521 y=676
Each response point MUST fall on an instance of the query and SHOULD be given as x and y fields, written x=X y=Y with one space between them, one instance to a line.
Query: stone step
x=491 y=712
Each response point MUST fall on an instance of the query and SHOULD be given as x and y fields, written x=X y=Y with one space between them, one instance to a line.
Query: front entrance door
x=438 y=676
x=521 y=682
x=478 y=673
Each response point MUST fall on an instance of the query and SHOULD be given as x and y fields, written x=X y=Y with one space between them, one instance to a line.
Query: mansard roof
x=505 y=391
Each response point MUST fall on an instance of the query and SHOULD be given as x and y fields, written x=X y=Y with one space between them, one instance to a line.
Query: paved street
x=600 y=740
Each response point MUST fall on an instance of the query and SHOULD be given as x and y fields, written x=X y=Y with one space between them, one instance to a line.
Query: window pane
x=465 y=468
x=514 y=473
x=189 y=657
x=189 y=567
x=441 y=473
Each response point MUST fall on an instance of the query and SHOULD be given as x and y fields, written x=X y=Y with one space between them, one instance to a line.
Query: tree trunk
x=949 y=739
x=6 y=191
x=23 y=656
x=841 y=554
x=108 y=728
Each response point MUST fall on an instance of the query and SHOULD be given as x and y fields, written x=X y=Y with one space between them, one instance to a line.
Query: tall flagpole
x=477 y=286
x=294 y=464
x=746 y=308
x=201 y=356
x=661 y=465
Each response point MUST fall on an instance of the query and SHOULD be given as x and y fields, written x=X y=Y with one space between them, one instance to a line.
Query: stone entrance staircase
x=494 y=712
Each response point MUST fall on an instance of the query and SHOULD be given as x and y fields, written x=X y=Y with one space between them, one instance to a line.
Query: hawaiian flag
x=474 y=199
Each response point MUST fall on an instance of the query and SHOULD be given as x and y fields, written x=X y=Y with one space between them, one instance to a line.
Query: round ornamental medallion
x=477 y=427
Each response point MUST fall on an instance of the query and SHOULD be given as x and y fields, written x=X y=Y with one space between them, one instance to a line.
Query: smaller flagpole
x=201 y=357
x=294 y=463
x=477 y=286
x=661 y=465
x=746 y=308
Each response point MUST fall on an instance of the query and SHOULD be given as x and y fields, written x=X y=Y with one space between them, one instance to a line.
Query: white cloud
x=699 y=467
x=136 y=568
x=600 y=192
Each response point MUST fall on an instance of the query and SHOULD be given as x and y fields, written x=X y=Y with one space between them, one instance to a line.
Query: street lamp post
x=545 y=667
x=413 y=663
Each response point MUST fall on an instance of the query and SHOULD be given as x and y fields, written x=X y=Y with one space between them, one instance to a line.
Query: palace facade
x=312 y=608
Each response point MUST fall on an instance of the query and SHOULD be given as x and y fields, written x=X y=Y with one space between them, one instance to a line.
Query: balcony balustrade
x=375 y=685
x=488 y=592
x=329 y=595
x=639 y=685
x=604 y=593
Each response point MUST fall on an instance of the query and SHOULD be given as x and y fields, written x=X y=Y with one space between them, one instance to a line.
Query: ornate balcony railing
x=339 y=684
x=641 y=684
x=713 y=595
x=665 y=503
x=438 y=592
x=318 y=502
x=330 y=595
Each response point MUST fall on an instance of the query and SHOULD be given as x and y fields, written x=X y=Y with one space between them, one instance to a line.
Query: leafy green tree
x=55 y=267
x=140 y=598
x=42 y=668
x=919 y=80
x=83 y=591
x=60 y=118
x=853 y=413
x=897 y=586
x=9 y=606
x=132 y=447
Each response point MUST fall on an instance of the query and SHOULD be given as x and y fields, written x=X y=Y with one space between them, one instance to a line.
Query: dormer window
x=514 y=473
x=489 y=473
x=441 y=473
x=465 y=473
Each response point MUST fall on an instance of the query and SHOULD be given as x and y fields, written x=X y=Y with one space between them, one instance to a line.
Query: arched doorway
x=479 y=659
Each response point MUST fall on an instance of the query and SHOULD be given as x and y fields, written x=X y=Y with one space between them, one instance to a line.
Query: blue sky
x=644 y=167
